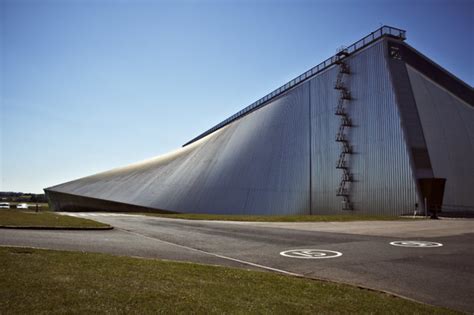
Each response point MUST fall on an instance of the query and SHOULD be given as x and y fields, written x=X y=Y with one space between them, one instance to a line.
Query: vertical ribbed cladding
x=411 y=124
x=448 y=127
x=266 y=160
x=324 y=149
x=383 y=177
x=258 y=164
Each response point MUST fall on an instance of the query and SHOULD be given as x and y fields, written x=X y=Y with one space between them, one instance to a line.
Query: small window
x=395 y=53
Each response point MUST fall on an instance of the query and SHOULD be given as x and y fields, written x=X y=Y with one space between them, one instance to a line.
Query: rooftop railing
x=382 y=31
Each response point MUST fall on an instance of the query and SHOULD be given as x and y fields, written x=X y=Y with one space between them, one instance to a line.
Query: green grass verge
x=45 y=281
x=17 y=218
x=276 y=218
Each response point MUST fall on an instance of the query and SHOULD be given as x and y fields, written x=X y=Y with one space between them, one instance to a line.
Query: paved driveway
x=442 y=275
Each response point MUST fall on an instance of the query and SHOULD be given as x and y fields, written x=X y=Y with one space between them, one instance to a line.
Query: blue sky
x=87 y=86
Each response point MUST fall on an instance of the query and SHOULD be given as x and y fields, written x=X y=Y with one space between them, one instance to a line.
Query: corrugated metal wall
x=266 y=162
x=448 y=126
x=258 y=164
x=412 y=129
x=384 y=182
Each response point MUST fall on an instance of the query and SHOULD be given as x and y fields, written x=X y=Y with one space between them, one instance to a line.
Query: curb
x=64 y=228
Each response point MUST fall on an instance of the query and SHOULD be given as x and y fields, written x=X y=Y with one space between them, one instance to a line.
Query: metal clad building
x=380 y=162
x=351 y=135
x=448 y=124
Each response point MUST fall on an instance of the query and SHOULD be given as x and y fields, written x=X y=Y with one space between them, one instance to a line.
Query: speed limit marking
x=416 y=244
x=311 y=253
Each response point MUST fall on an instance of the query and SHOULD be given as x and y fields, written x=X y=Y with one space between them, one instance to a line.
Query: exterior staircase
x=344 y=127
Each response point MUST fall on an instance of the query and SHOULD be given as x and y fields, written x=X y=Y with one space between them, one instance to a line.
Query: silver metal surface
x=281 y=158
x=385 y=30
x=383 y=177
x=256 y=165
x=448 y=126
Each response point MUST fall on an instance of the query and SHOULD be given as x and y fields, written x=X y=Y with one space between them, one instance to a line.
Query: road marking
x=82 y=214
x=417 y=244
x=311 y=253
x=214 y=254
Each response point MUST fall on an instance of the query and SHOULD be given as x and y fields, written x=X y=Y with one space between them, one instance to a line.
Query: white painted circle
x=417 y=244
x=310 y=253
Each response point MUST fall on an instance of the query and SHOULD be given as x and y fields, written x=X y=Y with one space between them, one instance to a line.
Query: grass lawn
x=277 y=218
x=17 y=218
x=46 y=281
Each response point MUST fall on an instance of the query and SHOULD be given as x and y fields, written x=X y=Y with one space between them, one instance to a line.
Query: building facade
x=354 y=134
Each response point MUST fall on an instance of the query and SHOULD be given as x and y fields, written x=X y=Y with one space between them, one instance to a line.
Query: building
x=362 y=132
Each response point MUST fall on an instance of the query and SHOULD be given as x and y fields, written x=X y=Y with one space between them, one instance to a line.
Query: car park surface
x=441 y=275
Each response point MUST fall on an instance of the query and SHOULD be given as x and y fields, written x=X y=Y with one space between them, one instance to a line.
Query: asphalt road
x=441 y=276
